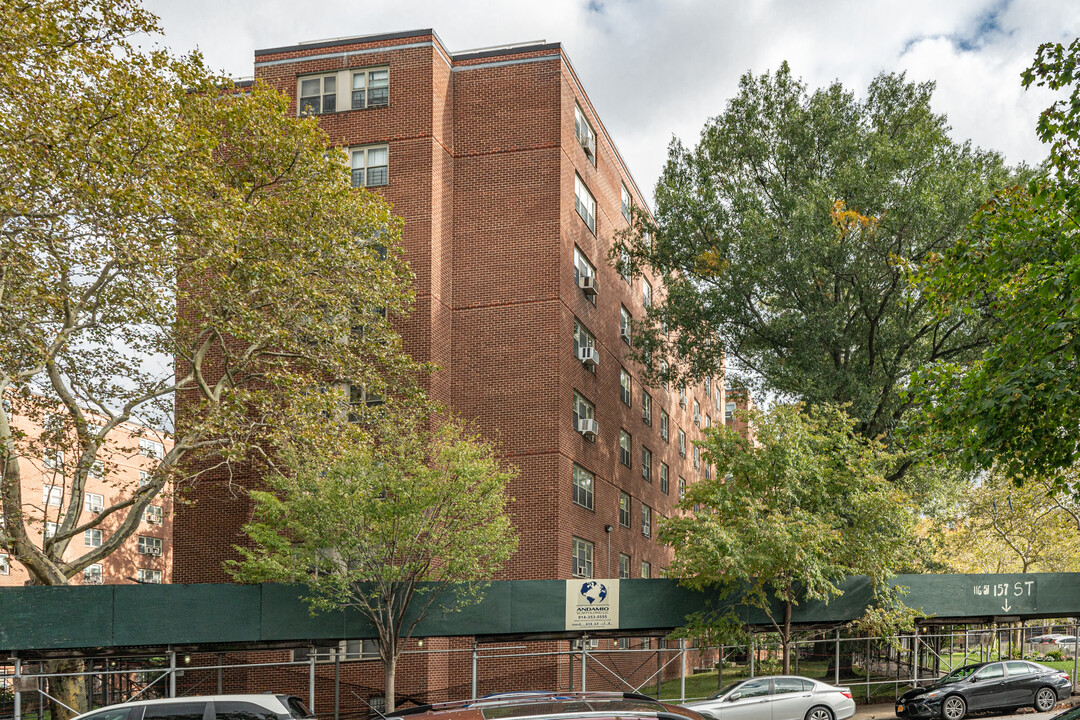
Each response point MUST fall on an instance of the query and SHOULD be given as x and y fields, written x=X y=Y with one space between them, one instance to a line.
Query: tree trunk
x=389 y=670
x=786 y=638
x=68 y=689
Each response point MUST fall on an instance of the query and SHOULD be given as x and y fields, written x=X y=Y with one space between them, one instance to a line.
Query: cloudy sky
x=660 y=68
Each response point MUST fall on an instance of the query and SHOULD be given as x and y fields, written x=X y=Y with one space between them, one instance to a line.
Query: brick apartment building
x=512 y=191
x=123 y=463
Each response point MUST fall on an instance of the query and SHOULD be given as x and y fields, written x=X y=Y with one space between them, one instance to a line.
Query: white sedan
x=781 y=697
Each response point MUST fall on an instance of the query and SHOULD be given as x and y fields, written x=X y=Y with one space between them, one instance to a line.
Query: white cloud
x=657 y=68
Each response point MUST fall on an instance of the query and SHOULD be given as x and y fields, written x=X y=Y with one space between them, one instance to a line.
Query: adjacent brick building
x=512 y=192
x=123 y=463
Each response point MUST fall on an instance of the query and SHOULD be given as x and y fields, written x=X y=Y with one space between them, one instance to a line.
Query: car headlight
x=932 y=695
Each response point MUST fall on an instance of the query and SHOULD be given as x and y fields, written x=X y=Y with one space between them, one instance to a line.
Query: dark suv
x=545 y=705
x=1005 y=685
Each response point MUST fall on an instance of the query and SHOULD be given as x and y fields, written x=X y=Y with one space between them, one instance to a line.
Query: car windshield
x=957 y=674
x=726 y=689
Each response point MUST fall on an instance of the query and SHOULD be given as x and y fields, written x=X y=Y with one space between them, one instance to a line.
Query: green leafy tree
x=125 y=171
x=790 y=514
x=777 y=237
x=1016 y=406
x=364 y=528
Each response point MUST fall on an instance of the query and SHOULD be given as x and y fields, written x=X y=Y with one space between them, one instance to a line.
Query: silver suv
x=207 y=707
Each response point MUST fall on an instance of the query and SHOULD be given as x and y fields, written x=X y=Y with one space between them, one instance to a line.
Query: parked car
x=207 y=707
x=1045 y=639
x=1006 y=685
x=550 y=706
x=781 y=697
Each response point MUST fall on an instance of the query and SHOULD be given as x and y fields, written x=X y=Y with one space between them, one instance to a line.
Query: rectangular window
x=626 y=203
x=51 y=529
x=52 y=495
x=646 y=520
x=624 y=448
x=370 y=88
x=370 y=165
x=663 y=374
x=622 y=643
x=5 y=565
x=584 y=269
x=697 y=457
x=729 y=414
x=646 y=570
x=144 y=478
x=646 y=294
x=708 y=471
x=716 y=397
x=682 y=487
x=682 y=396
x=583 y=487
x=97 y=470
x=584 y=339
x=664 y=422
x=697 y=413
x=154 y=515
x=318 y=95
x=708 y=421
x=94 y=503
x=624 y=387
x=583 y=558
x=151 y=449
x=624 y=567
x=583 y=410
x=663 y=478
x=624 y=268
x=584 y=203
x=682 y=444
x=584 y=133
x=708 y=387
x=146 y=576
x=646 y=463
x=625 y=323
x=646 y=408
x=54 y=459
x=91 y=575
x=92 y=537
x=624 y=509
x=149 y=545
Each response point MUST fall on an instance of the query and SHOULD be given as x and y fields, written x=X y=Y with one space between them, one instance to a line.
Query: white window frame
x=92 y=538
x=151 y=449
x=97 y=470
x=625 y=505
x=584 y=133
x=681 y=488
x=646 y=464
x=583 y=409
x=365 y=151
x=94 y=502
x=646 y=520
x=729 y=413
x=49 y=529
x=323 y=93
x=682 y=443
x=584 y=487
x=626 y=323
x=625 y=387
x=584 y=203
x=646 y=407
x=366 y=75
x=582 y=558
x=52 y=495
x=148 y=576
x=144 y=478
x=54 y=459
x=626 y=452
x=583 y=338
x=583 y=268
x=665 y=424
x=624 y=566
x=646 y=569
x=646 y=293
x=627 y=203
x=665 y=475
x=149 y=544
x=92 y=574
x=154 y=515
x=5 y=564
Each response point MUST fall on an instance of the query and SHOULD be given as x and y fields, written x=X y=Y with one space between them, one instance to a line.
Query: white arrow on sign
x=1006 y=606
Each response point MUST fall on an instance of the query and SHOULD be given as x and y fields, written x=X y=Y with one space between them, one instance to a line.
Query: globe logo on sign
x=593 y=592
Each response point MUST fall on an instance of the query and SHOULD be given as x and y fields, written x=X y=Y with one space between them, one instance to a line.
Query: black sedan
x=1006 y=685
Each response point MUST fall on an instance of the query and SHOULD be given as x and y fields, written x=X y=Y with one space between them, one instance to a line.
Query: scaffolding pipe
x=753 y=652
x=337 y=685
x=172 y=673
x=915 y=657
x=837 y=656
x=1076 y=654
x=220 y=672
x=682 y=672
x=584 y=656
x=311 y=681
x=474 y=660
x=18 y=694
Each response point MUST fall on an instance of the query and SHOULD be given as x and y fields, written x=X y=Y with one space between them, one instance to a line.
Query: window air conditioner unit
x=589 y=356
x=624 y=334
x=588 y=284
x=153 y=551
x=588 y=427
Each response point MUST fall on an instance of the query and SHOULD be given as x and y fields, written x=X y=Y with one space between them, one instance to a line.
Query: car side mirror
x=734 y=696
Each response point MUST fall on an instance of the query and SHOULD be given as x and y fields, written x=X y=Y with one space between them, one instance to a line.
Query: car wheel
x=1045 y=699
x=819 y=712
x=954 y=708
